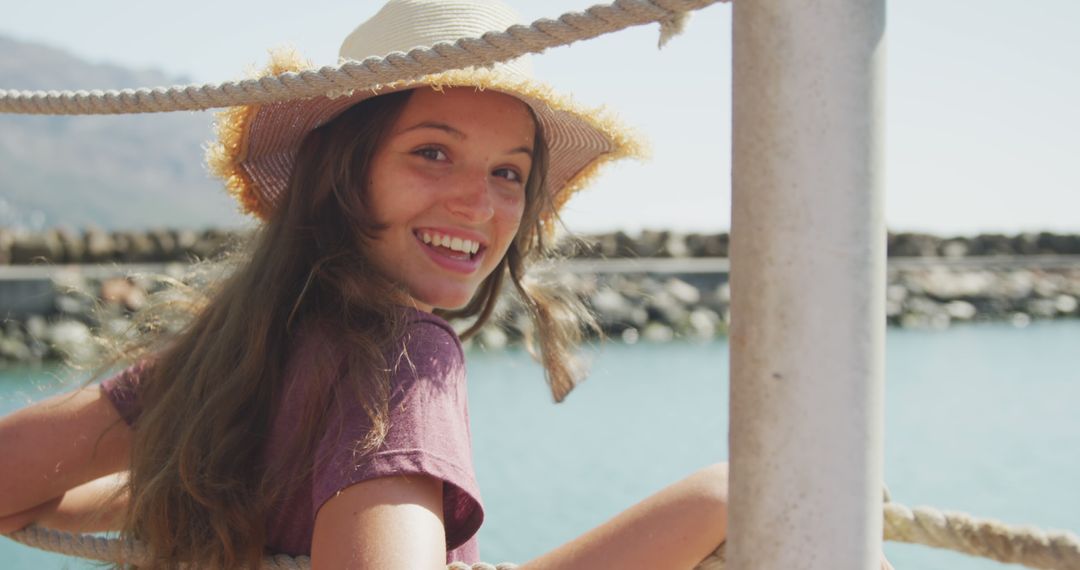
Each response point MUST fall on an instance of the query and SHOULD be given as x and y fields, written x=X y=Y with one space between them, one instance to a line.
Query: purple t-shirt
x=429 y=433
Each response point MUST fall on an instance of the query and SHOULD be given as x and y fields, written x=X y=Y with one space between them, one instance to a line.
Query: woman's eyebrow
x=527 y=150
x=438 y=126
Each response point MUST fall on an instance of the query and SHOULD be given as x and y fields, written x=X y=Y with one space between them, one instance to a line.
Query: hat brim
x=257 y=144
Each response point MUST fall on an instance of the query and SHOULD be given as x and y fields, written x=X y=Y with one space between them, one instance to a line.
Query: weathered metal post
x=807 y=281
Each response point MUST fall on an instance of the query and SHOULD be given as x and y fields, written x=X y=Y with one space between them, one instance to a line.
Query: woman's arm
x=96 y=506
x=58 y=444
x=396 y=522
x=675 y=528
x=388 y=522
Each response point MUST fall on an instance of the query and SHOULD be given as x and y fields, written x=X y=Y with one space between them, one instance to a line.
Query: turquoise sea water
x=979 y=418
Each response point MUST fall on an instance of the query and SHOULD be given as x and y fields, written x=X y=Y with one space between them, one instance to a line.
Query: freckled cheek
x=396 y=199
x=509 y=205
x=423 y=188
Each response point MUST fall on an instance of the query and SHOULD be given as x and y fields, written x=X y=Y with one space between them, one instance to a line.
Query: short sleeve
x=428 y=433
x=122 y=390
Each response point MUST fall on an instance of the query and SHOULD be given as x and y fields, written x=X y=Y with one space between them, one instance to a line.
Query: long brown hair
x=200 y=492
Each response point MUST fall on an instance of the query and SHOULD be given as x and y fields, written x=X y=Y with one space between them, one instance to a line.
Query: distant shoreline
x=91 y=246
x=50 y=309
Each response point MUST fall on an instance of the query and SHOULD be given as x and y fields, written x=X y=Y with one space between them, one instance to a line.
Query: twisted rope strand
x=491 y=47
x=1031 y=547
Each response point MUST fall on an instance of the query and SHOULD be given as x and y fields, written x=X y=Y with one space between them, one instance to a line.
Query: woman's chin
x=447 y=301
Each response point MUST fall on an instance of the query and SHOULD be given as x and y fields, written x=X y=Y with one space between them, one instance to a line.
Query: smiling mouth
x=451 y=247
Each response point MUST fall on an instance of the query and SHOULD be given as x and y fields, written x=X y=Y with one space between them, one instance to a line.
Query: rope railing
x=960 y=532
x=491 y=47
x=985 y=538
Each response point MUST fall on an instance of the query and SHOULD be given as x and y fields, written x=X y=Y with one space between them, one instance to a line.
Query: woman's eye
x=431 y=153
x=509 y=174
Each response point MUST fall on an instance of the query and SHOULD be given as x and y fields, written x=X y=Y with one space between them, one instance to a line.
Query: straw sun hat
x=257 y=144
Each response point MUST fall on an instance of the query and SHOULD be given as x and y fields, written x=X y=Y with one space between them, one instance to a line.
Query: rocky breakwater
x=93 y=246
x=936 y=281
x=56 y=285
x=937 y=296
x=656 y=286
x=79 y=300
x=933 y=282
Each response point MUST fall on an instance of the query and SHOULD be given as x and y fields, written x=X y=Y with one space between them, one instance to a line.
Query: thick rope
x=1031 y=547
x=489 y=48
x=1028 y=546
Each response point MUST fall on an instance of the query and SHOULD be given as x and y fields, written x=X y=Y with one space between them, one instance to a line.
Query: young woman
x=314 y=401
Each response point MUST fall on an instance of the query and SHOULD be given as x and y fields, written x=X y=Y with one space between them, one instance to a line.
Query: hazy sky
x=983 y=98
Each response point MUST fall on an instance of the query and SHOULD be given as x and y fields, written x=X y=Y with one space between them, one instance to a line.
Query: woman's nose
x=472 y=198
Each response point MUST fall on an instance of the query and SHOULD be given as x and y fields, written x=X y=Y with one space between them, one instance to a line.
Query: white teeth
x=455 y=243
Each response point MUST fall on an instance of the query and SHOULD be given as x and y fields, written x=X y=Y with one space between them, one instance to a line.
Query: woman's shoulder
x=425 y=332
x=417 y=327
x=425 y=341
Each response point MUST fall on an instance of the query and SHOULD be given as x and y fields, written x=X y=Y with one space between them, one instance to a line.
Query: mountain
x=113 y=171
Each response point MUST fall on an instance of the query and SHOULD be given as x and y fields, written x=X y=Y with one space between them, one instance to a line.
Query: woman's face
x=448 y=183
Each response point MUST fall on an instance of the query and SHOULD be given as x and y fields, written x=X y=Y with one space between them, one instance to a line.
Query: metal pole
x=808 y=283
